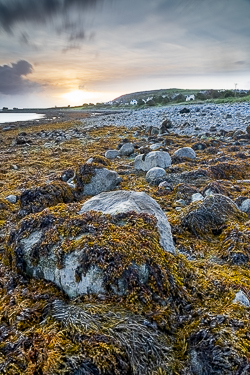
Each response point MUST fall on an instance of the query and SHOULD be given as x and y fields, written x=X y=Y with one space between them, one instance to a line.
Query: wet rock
x=199 y=146
x=71 y=248
x=122 y=201
x=194 y=177
x=92 y=178
x=67 y=175
x=102 y=180
x=245 y=206
x=184 y=110
x=197 y=197
x=36 y=199
x=155 y=175
x=127 y=149
x=210 y=214
x=111 y=154
x=153 y=159
x=181 y=202
x=11 y=198
x=185 y=152
x=185 y=191
x=241 y=298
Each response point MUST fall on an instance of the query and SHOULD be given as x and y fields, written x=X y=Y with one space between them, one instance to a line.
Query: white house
x=190 y=97
x=133 y=102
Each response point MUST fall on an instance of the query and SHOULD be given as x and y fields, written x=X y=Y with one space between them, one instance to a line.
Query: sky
x=70 y=52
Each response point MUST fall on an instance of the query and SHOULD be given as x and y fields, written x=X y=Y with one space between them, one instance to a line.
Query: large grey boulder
x=185 y=152
x=111 y=246
x=103 y=180
x=122 y=201
x=153 y=159
x=155 y=175
x=127 y=149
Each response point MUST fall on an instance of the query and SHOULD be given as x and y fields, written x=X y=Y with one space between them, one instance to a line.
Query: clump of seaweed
x=185 y=191
x=142 y=344
x=235 y=246
x=209 y=215
x=36 y=199
x=226 y=171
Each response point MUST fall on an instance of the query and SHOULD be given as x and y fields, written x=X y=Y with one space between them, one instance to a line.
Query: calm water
x=13 y=117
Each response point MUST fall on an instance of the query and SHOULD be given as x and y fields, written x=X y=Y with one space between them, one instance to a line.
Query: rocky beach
x=124 y=242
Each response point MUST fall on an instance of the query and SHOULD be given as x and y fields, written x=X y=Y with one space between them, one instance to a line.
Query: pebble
x=224 y=116
x=11 y=198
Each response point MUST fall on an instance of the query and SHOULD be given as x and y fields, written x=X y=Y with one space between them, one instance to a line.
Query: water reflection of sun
x=78 y=97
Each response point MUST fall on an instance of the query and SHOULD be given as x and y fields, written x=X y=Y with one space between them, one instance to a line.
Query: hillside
x=146 y=94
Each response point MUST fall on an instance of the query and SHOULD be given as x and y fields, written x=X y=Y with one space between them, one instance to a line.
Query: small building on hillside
x=190 y=97
x=134 y=102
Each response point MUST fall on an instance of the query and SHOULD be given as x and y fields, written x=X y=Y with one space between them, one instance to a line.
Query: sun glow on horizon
x=78 y=97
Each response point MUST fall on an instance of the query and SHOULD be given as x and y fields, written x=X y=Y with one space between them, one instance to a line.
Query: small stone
x=15 y=167
x=11 y=198
x=245 y=206
x=197 y=197
x=155 y=175
x=127 y=149
x=181 y=202
x=111 y=154
x=185 y=152
x=241 y=298
x=155 y=146
x=165 y=186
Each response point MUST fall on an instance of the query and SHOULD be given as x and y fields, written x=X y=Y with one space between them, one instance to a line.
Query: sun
x=78 y=97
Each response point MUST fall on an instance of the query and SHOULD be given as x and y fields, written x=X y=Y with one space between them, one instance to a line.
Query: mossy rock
x=93 y=253
x=208 y=216
x=36 y=199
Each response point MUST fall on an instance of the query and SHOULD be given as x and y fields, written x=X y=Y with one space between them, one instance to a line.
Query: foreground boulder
x=122 y=201
x=153 y=159
x=109 y=251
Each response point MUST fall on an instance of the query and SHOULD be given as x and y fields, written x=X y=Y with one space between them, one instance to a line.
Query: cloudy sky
x=60 y=52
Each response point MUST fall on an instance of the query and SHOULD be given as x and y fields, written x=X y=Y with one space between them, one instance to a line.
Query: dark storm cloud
x=15 y=12
x=12 y=81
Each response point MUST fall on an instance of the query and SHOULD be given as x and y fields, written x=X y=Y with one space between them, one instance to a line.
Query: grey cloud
x=12 y=81
x=20 y=11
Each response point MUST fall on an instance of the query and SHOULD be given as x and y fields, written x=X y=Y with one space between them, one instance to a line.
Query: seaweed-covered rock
x=92 y=178
x=211 y=214
x=193 y=177
x=122 y=201
x=226 y=171
x=92 y=252
x=185 y=191
x=36 y=199
x=153 y=159
x=215 y=348
x=214 y=187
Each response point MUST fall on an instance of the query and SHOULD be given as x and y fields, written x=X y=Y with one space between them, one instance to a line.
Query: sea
x=14 y=117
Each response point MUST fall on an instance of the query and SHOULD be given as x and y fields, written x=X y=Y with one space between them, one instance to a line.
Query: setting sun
x=78 y=97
